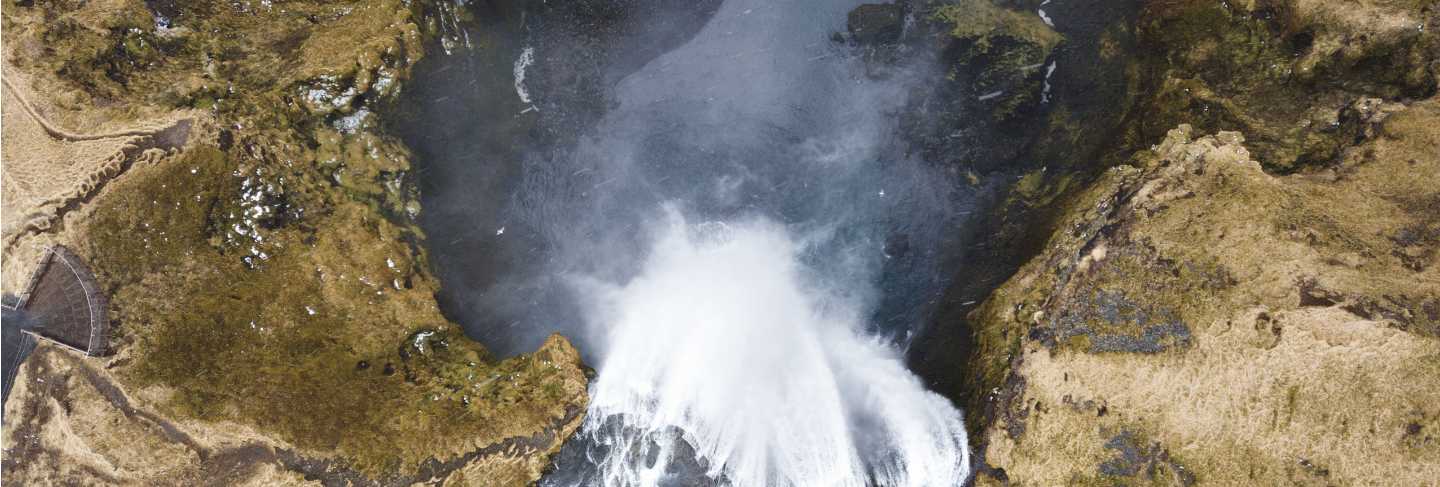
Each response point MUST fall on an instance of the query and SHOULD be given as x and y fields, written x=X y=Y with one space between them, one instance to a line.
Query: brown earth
x=1195 y=319
x=1251 y=298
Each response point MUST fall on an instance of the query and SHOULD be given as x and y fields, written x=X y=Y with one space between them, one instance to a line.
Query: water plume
x=740 y=240
x=726 y=335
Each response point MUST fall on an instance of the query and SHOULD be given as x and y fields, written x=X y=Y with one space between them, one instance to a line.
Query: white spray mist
x=747 y=337
x=723 y=335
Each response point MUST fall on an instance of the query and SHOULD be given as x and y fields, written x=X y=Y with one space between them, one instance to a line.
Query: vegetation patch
x=1001 y=52
x=1286 y=74
x=270 y=274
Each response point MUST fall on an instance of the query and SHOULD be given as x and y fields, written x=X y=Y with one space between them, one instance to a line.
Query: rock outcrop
x=1002 y=54
x=1248 y=299
x=876 y=23
x=1194 y=318
x=1287 y=73
x=274 y=313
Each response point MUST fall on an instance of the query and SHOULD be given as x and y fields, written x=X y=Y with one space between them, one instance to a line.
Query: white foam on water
x=1045 y=92
x=527 y=57
x=726 y=335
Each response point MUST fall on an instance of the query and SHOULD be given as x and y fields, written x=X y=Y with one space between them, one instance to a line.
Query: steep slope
x=1249 y=301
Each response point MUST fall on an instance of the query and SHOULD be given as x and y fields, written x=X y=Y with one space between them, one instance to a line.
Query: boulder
x=876 y=23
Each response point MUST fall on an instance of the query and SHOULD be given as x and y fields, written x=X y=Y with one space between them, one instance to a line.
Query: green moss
x=985 y=23
x=167 y=219
x=242 y=344
x=1041 y=188
x=269 y=274
x=1003 y=50
x=219 y=55
x=1263 y=72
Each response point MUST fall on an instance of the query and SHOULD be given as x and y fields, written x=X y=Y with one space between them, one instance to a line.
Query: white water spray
x=527 y=57
x=725 y=335
x=758 y=347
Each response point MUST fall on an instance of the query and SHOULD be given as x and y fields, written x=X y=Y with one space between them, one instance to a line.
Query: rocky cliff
x=1247 y=293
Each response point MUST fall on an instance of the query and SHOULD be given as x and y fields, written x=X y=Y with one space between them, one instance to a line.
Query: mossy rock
x=1001 y=51
x=876 y=23
x=984 y=23
x=1286 y=74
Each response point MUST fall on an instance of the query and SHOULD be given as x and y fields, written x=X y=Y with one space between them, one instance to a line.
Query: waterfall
x=725 y=338
x=745 y=246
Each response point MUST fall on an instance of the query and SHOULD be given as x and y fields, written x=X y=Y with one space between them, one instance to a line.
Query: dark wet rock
x=1149 y=332
x=1002 y=55
x=1127 y=298
x=897 y=246
x=1018 y=96
x=1416 y=312
x=685 y=466
x=1042 y=152
x=876 y=23
x=1313 y=469
x=1287 y=74
x=1139 y=461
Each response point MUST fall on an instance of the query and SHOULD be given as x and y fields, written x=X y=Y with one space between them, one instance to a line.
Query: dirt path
x=49 y=171
x=55 y=394
x=62 y=134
